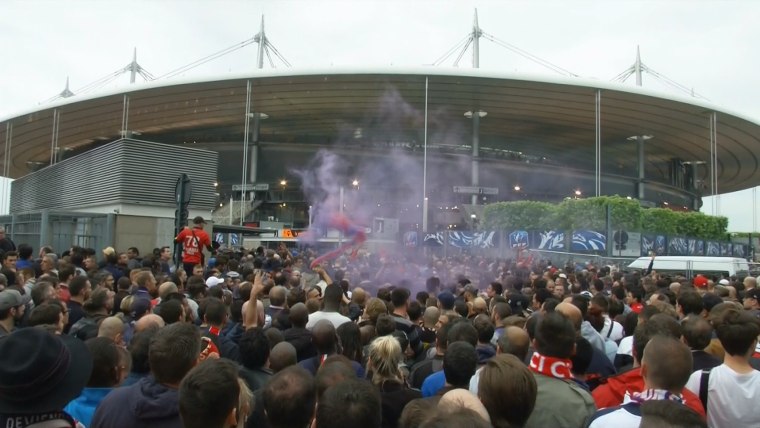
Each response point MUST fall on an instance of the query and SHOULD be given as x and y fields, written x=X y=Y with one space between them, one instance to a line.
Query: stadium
x=533 y=138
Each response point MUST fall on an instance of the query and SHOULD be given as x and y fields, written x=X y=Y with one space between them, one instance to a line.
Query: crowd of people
x=104 y=339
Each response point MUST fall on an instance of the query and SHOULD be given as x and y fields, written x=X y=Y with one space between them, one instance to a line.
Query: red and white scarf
x=551 y=366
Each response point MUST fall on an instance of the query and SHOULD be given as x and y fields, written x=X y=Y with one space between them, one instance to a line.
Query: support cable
x=207 y=58
x=528 y=55
x=452 y=50
x=461 y=53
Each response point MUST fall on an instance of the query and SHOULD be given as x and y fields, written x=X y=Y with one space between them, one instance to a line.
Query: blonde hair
x=384 y=358
x=126 y=304
x=375 y=307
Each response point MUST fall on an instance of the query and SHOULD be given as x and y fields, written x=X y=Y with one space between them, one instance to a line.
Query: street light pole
x=475 y=116
x=424 y=166
x=340 y=209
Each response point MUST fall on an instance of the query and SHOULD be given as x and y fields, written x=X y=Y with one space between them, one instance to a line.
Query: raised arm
x=651 y=264
x=251 y=316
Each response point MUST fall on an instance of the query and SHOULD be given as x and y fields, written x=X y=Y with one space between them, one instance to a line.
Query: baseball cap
x=700 y=281
x=199 y=220
x=518 y=302
x=213 y=281
x=723 y=282
x=232 y=274
x=562 y=275
x=12 y=298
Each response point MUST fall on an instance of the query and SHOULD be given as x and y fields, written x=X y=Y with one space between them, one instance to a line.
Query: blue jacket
x=146 y=404
x=83 y=407
x=433 y=383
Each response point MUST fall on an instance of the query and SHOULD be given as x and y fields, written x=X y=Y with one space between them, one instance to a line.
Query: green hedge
x=591 y=213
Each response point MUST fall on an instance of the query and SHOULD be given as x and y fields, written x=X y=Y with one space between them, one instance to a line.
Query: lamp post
x=475 y=116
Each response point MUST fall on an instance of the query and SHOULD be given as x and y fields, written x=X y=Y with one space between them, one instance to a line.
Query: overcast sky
x=710 y=46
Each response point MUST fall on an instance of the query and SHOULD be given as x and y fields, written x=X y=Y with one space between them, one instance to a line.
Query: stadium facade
x=464 y=137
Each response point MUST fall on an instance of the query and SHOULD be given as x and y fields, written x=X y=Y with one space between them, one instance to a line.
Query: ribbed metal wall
x=125 y=171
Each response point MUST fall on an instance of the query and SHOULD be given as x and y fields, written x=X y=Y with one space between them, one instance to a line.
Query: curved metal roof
x=535 y=116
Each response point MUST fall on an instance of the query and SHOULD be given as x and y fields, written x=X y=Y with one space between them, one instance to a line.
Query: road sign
x=473 y=190
x=183 y=190
x=256 y=187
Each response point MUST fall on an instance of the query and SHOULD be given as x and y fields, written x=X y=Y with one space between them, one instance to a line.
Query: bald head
x=112 y=328
x=282 y=355
x=299 y=315
x=750 y=282
x=458 y=399
x=514 y=341
x=278 y=295
x=323 y=337
x=431 y=316
x=146 y=321
x=675 y=287
x=572 y=313
x=166 y=289
x=479 y=305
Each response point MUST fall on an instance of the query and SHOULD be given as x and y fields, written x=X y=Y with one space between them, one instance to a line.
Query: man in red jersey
x=193 y=241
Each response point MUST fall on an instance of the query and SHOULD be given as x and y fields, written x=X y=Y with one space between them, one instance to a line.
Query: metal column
x=45 y=237
x=476 y=33
x=110 y=228
x=424 y=166
x=640 y=143
x=246 y=132
x=54 y=158
x=475 y=153
x=125 y=118
x=253 y=157
x=6 y=167
x=714 y=163
x=598 y=143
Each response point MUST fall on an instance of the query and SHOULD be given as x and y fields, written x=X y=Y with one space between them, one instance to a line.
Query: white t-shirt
x=617 y=329
x=335 y=318
x=731 y=397
x=626 y=346
x=475 y=381
x=618 y=417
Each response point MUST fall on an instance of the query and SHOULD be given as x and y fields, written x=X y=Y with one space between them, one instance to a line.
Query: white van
x=691 y=265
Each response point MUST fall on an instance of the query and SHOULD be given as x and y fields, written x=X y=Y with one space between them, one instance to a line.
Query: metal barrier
x=61 y=230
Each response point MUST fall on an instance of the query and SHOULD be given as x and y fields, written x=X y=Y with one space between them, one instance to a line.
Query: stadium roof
x=551 y=118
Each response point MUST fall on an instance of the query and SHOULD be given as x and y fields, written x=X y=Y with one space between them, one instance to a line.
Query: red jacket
x=612 y=391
